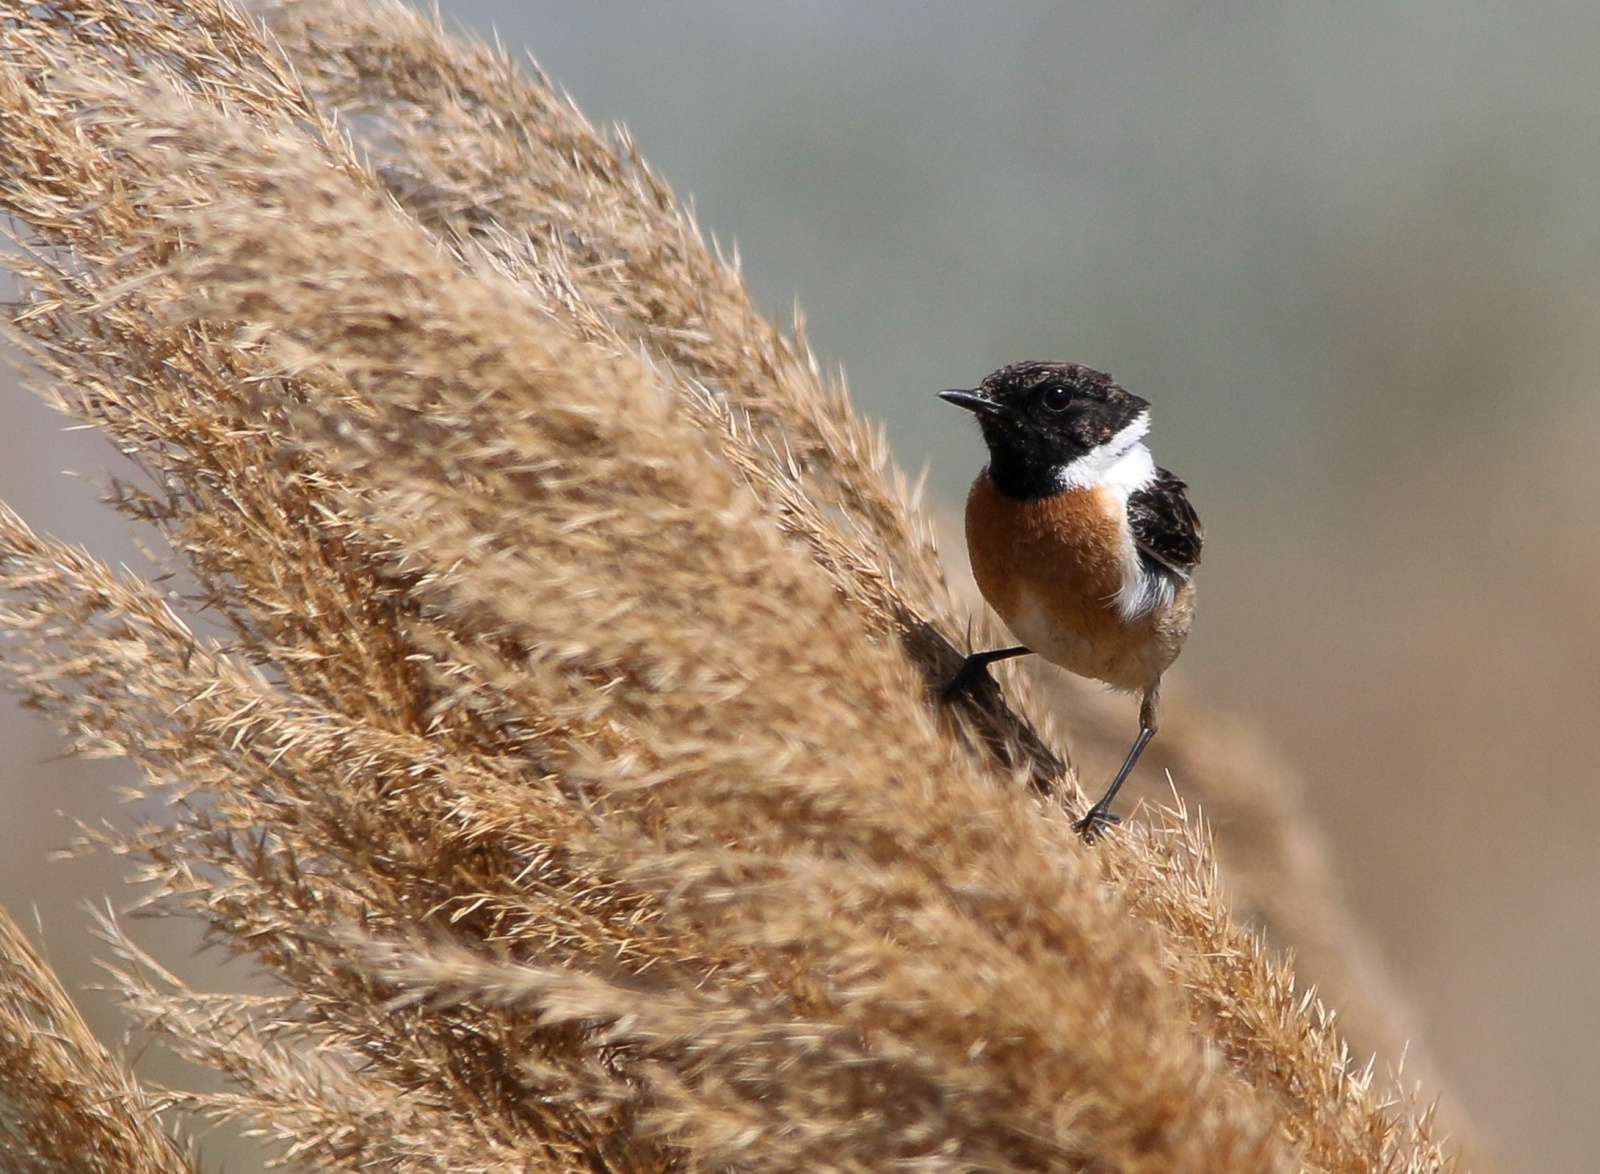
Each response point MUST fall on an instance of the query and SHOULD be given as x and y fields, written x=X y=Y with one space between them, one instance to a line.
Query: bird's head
x=1044 y=422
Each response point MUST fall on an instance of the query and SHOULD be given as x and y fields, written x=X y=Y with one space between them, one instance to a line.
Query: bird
x=1082 y=544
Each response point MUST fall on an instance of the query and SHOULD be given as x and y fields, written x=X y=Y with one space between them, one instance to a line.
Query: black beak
x=971 y=400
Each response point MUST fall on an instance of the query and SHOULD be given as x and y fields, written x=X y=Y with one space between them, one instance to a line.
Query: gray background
x=1351 y=254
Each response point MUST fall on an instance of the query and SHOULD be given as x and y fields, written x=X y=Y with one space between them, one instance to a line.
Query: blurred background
x=1352 y=255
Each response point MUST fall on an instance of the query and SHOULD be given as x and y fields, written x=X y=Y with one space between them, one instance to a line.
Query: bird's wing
x=1165 y=527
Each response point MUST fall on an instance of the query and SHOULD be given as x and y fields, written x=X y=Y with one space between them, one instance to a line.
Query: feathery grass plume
x=565 y=762
x=308 y=1097
x=509 y=175
x=67 y=1106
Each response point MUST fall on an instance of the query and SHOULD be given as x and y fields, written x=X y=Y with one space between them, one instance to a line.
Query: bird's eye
x=1057 y=398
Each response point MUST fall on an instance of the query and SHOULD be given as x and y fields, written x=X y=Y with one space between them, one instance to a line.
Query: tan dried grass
x=570 y=759
x=64 y=1096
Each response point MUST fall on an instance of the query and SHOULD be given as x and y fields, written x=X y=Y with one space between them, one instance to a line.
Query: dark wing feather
x=1165 y=526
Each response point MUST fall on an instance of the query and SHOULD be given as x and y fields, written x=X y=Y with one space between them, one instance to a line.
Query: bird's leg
x=1099 y=816
x=976 y=668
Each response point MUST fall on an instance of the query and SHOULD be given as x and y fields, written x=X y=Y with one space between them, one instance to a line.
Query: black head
x=1038 y=418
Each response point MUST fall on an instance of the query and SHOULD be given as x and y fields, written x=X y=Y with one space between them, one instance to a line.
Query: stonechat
x=1083 y=545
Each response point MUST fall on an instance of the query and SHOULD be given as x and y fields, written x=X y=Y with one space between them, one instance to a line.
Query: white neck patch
x=1122 y=464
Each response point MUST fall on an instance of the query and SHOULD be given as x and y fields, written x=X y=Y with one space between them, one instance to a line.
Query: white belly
x=1058 y=643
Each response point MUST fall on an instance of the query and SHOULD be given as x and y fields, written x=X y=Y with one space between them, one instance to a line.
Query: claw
x=1096 y=820
x=965 y=681
x=974 y=669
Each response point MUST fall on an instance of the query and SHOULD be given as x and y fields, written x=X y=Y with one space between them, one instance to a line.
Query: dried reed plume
x=569 y=758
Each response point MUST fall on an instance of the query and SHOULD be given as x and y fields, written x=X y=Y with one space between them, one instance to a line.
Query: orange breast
x=1052 y=568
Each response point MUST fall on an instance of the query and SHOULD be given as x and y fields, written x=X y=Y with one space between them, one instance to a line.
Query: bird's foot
x=1095 y=821
x=973 y=672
